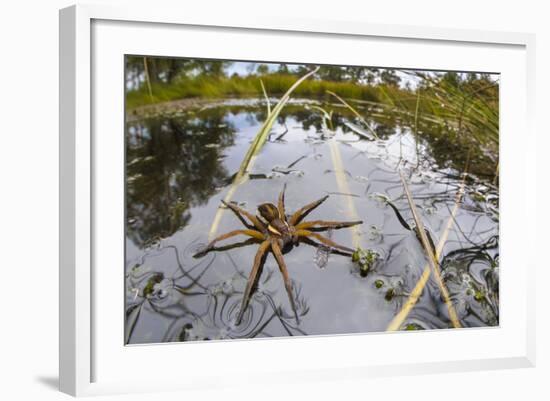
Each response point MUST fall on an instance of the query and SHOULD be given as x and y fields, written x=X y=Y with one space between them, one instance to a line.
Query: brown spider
x=277 y=232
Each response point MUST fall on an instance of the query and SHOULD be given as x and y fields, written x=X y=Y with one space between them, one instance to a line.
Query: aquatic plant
x=365 y=259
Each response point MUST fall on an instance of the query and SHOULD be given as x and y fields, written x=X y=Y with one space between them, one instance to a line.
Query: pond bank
x=197 y=103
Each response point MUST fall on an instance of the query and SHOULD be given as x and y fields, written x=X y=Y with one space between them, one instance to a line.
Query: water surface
x=180 y=163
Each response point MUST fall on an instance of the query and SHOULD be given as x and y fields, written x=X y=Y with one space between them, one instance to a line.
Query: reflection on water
x=172 y=166
x=179 y=165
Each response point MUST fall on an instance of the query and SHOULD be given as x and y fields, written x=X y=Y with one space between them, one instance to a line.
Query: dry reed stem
x=411 y=301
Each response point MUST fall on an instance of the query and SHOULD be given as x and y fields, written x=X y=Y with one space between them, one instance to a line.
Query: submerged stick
x=250 y=156
x=433 y=257
x=343 y=187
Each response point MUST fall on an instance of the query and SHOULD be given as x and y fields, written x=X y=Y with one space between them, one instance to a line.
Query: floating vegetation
x=365 y=259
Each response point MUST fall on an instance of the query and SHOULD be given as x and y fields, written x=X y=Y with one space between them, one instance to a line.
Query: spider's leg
x=239 y=212
x=324 y=240
x=319 y=225
x=264 y=247
x=222 y=248
x=281 y=204
x=276 y=249
x=335 y=251
x=304 y=211
x=242 y=219
x=251 y=233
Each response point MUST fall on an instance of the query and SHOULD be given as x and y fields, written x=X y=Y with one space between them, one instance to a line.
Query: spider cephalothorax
x=275 y=232
x=276 y=224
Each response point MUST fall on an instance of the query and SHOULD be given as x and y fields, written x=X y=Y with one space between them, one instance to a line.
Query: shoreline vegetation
x=220 y=87
x=464 y=105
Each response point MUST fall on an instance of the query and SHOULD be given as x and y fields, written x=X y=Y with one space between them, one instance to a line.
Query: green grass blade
x=263 y=134
x=266 y=98
x=359 y=116
x=255 y=147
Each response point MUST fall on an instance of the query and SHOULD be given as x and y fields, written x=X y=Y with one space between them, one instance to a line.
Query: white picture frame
x=90 y=364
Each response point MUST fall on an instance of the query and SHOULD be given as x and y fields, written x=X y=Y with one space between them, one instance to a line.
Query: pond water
x=179 y=166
